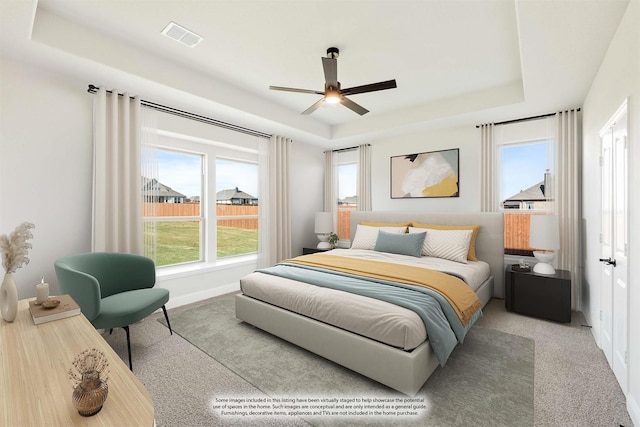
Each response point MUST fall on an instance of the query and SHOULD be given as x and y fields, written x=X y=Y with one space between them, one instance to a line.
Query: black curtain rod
x=192 y=116
x=524 y=119
x=347 y=148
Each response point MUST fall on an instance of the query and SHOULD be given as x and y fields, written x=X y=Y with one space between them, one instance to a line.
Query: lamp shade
x=544 y=232
x=324 y=223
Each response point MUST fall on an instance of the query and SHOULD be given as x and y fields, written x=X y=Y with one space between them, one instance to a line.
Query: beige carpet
x=573 y=384
x=487 y=381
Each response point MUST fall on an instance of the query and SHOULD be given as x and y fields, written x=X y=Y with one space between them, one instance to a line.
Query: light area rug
x=487 y=381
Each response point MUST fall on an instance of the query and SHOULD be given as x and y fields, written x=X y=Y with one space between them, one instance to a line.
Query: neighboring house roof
x=350 y=200
x=531 y=194
x=159 y=188
x=233 y=193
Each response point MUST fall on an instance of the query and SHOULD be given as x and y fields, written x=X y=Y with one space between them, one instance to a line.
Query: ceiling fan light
x=332 y=98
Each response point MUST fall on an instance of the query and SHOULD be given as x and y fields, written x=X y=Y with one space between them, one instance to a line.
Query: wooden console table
x=34 y=386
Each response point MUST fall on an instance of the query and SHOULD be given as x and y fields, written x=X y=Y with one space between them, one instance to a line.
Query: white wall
x=45 y=166
x=617 y=79
x=46 y=174
x=466 y=138
x=307 y=170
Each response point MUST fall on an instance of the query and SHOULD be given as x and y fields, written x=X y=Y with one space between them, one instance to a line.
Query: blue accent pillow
x=403 y=244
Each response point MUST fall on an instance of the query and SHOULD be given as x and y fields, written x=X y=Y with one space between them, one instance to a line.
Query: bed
x=290 y=309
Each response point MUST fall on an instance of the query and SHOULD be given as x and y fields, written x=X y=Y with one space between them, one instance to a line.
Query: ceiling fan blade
x=330 y=66
x=290 y=89
x=314 y=107
x=389 y=84
x=353 y=106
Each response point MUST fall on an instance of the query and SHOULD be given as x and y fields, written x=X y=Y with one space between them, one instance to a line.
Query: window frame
x=231 y=217
x=500 y=175
x=344 y=158
x=524 y=133
x=201 y=219
x=210 y=150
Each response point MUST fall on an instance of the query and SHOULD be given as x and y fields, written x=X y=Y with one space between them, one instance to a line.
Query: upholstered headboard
x=489 y=243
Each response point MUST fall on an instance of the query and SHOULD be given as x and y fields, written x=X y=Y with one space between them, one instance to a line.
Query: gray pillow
x=403 y=244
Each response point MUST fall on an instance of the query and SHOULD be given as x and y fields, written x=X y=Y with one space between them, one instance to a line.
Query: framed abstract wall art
x=429 y=174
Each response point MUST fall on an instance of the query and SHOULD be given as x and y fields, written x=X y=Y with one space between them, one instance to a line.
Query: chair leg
x=126 y=329
x=110 y=331
x=167 y=318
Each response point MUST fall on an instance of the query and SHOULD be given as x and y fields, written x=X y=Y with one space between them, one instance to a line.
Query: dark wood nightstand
x=539 y=295
x=308 y=251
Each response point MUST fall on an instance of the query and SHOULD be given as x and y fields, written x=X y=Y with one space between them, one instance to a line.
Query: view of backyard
x=179 y=241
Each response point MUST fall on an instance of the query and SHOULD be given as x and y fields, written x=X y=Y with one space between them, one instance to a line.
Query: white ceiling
x=454 y=61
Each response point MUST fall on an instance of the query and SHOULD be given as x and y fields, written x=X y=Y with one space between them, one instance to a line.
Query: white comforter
x=378 y=320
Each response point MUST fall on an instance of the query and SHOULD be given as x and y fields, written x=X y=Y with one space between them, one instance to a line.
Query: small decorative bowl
x=51 y=303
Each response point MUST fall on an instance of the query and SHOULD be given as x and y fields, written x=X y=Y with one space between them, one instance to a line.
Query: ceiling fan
x=332 y=92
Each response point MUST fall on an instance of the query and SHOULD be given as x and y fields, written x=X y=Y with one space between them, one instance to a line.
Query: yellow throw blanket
x=463 y=300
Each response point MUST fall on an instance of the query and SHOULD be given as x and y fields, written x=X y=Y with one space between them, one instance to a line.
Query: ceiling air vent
x=181 y=34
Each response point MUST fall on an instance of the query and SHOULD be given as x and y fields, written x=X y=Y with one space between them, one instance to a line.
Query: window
x=347 y=177
x=200 y=199
x=236 y=207
x=525 y=179
x=171 y=213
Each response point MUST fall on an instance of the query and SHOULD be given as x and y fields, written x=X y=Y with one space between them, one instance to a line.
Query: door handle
x=608 y=261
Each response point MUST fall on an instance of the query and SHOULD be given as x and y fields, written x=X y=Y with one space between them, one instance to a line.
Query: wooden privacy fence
x=516 y=231
x=516 y=225
x=171 y=209
x=344 y=222
x=193 y=209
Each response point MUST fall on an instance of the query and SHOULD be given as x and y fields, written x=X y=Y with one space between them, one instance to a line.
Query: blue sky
x=523 y=166
x=181 y=171
x=347 y=180
x=232 y=174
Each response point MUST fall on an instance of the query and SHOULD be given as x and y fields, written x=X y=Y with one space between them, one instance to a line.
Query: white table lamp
x=324 y=228
x=544 y=234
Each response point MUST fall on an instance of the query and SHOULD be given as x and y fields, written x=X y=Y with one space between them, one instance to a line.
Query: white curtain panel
x=568 y=201
x=264 y=225
x=117 y=211
x=364 y=177
x=331 y=186
x=149 y=170
x=488 y=187
x=274 y=215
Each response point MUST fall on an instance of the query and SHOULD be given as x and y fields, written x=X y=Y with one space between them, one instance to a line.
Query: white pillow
x=366 y=236
x=447 y=244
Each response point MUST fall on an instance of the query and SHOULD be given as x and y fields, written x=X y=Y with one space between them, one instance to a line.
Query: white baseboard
x=589 y=321
x=202 y=295
x=634 y=409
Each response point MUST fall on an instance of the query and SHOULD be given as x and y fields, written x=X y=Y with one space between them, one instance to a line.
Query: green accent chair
x=113 y=290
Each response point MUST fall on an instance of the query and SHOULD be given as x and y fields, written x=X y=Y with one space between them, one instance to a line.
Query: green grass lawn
x=178 y=242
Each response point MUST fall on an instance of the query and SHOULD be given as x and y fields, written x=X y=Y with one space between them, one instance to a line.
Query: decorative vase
x=89 y=395
x=8 y=298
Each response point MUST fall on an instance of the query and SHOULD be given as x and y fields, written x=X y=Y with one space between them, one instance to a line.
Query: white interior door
x=615 y=289
x=606 y=246
x=620 y=250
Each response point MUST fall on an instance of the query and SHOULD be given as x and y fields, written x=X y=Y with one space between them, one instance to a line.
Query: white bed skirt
x=401 y=370
x=405 y=371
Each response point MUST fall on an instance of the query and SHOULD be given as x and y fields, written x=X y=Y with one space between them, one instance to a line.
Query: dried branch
x=90 y=360
x=15 y=248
